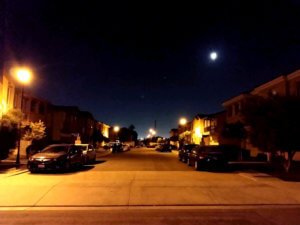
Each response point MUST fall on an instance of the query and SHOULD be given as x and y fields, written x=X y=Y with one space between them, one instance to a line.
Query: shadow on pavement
x=269 y=170
x=5 y=167
x=96 y=162
x=278 y=171
x=69 y=172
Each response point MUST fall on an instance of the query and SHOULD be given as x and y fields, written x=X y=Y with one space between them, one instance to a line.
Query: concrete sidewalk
x=9 y=166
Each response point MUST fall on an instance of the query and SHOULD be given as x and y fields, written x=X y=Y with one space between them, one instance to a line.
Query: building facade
x=285 y=85
x=7 y=92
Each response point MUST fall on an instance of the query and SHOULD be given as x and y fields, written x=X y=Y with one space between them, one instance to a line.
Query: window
x=24 y=104
x=42 y=109
x=33 y=106
x=236 y=108
x=229 y=111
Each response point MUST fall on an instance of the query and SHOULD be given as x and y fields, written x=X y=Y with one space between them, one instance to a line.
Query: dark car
x=213 y=157
x=164 y=148
x=56 y=157
x=184 y=152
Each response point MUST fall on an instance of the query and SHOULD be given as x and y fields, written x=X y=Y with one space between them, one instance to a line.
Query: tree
x=9 y=131
x=36 y=131
x=98 y=137
x=273 y=125
x=128 y=134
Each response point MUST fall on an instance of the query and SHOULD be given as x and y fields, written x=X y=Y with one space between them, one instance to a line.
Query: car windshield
x=55 y=149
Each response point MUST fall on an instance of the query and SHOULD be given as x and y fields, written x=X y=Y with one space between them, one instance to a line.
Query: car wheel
x=197 y=166
x=188 y=162
x=212 y=165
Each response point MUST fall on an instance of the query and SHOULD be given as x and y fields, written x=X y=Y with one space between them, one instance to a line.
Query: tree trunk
x=288 y=162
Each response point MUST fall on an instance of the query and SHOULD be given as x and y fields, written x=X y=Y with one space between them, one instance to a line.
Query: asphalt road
x=143 y=185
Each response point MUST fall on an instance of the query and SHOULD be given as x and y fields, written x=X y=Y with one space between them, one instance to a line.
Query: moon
x=213 y=56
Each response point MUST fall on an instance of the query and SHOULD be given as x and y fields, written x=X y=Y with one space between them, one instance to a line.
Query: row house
x=185 y=133
x=204 y=129
x=285 y=85
x=104 y=129
x=7 y=92
x=66 y=123
x=33 y=107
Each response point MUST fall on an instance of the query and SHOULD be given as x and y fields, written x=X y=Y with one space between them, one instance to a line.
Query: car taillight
x=202 y=156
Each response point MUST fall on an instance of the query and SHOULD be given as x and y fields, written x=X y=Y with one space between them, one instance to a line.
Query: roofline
x=293 y=75
x=234 y=99
x=269 y=84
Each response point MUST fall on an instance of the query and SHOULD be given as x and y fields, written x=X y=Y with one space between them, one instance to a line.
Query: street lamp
x=23 y=76
x=182 y=121
x=116 y=129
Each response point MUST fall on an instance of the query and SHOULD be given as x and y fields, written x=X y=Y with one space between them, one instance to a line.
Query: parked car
x=116 y=147
x=164 y=148
x=88 y=152
x=56 y=157
x=125 y=148
x=213 y=157
x=184 y=152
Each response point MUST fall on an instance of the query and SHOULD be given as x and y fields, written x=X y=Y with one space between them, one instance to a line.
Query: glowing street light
x=116 y=129
x=182 y=121
x=153 y=132
x=23 y=75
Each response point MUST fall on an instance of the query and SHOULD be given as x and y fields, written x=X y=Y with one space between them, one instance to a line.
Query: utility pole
x=155 y=125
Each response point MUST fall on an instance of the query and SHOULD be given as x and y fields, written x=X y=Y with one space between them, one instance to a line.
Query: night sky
x=135 y=62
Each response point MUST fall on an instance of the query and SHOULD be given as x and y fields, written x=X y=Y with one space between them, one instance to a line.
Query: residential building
x=285 y=85
x=7 y=92
x=33 y=107
x=68 y=122
x=206 y=128
x=184 y=133
x=174 y=137
x=104 y=129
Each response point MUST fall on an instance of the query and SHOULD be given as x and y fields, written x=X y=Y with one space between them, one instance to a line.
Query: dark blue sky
x=133 y=63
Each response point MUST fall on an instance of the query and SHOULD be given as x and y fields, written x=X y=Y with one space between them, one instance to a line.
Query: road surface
x=145 y=185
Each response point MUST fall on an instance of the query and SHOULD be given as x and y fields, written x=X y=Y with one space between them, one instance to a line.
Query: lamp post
x=182 y=123
x=23 y=76
x=116 y=130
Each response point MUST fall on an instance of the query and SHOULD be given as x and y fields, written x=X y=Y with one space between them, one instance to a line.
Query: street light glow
x=23 y=75
x=116 y=129
x=182 y=121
